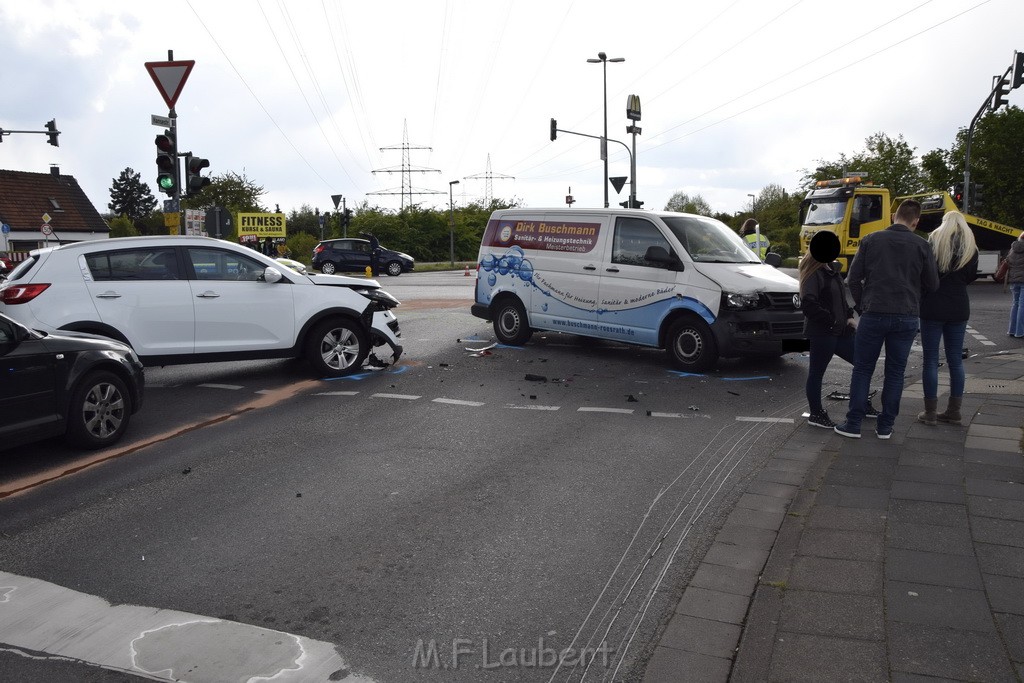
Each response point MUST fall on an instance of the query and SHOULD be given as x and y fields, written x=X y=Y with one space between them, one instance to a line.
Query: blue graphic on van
x=514 y=266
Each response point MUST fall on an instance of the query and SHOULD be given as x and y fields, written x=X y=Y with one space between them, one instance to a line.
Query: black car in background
x=354 y=255
x=79 y=386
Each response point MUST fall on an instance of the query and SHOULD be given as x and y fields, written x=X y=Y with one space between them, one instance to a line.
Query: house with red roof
x=29 y=202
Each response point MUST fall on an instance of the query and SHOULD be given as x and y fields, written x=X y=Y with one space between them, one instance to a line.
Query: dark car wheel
x=510 y=326
x=99 y=412
x=337 y=347
x=327 y=268
x=691 y=345
x=394 y=268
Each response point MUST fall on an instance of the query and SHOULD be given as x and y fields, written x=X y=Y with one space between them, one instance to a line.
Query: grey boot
x=952 y=414
x=928 y=416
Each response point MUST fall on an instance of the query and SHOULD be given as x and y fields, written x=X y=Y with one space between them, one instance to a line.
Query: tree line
x=996 y=149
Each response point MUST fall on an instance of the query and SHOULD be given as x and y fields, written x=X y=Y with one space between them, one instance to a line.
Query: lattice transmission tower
x=488 y=177
x=406 y=169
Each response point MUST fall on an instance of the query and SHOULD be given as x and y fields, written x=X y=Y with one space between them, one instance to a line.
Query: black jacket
x=892 y=269
x=950 y=302
x=823 y=301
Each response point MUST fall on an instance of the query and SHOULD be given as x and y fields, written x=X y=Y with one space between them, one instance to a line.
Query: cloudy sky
x=309 y=97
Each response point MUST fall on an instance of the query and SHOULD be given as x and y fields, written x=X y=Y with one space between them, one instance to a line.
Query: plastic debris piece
x=630 y=398
x=186 y=470
x=648 y=413
x=839 y=396
x=298 y=495
x=535 y=378
x=533 y=397
x=481 y=354
x=482 y=348
x=694 y=408
x=732 y=392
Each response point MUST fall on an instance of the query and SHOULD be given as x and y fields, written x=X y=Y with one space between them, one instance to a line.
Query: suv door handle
x=108 y=295
x=208 y=295
x=589 y=267
x=612 y=270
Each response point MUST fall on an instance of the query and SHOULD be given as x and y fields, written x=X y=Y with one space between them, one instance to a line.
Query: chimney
x=55 y=170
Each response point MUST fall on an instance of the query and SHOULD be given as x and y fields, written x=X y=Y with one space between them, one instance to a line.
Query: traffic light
x=958 y=195
x=346 y=218
x=194 y=183
x=631 y=204
x=976 y=197
x=166 y=163
x=1000 y=91
x=554 y=130
x=51 y=126
x=1018 y=70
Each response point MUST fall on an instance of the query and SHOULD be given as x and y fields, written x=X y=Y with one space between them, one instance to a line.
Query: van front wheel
x=510 y=325
x=691 y=345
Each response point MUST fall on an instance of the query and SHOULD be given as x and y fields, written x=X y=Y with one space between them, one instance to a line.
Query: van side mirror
x=773 y=259
x=661 y=255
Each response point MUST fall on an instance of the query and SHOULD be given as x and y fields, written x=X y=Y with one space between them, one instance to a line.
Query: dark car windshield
x=707 y=240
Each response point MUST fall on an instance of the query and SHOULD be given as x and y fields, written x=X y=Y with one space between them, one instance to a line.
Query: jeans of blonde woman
x=1017 y=310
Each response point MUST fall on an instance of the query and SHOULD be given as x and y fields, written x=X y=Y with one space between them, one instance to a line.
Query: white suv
x=197 y=299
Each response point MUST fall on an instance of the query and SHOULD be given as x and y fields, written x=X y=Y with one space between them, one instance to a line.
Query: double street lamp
x=602 y=59
x=451 y=221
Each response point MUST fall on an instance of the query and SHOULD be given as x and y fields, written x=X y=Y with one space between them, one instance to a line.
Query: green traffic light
x=165 y=182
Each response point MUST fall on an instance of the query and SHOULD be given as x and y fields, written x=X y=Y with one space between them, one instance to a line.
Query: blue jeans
x=952 y=337
x=823 y=347
x=1017 y=310
x=875 y=330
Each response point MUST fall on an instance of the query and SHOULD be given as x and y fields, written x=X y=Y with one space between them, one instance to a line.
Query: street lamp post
x=602 y=58
x=451 y=222
x=751 y=205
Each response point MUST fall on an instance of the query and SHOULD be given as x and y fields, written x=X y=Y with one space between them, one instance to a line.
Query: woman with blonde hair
x=944 y=315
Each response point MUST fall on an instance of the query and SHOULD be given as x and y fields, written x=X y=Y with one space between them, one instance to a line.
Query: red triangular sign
x=170 y=78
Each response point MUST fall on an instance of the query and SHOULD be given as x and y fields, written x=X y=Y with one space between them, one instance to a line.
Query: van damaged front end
x=759 y=323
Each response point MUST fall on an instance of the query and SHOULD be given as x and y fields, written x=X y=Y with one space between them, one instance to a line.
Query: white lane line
x=457 y=402
x=784 y=420
x=515 y=407
x=234 y=387
x=164 y=645
x=404 y=397
x=987 y=343
x=623 y=411
x=337 y=393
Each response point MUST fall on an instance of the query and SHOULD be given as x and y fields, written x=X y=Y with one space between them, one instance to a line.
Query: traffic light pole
x=997 y=85
x=632 y=163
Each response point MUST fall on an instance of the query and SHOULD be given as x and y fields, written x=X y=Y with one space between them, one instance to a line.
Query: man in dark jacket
x=892 y=269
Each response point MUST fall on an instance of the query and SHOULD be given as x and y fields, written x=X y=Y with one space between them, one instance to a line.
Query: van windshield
x=707 y=240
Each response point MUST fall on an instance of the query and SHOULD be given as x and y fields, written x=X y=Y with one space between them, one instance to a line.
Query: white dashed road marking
x=457 y=402
x=586 y=409
x=532 y=407
x=338 y=393
x=164 y=645
x=403 y=397
x=784 y=420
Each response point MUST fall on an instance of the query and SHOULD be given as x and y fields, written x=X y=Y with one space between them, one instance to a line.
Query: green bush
x=301 y=246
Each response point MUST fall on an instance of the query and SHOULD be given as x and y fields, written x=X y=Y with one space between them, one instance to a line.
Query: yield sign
x=170 y=78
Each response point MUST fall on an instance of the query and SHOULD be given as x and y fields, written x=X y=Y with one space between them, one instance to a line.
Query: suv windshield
x=826 y=211
x=707 y=240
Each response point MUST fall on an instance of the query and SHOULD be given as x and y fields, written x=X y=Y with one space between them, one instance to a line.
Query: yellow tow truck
x=852 y=207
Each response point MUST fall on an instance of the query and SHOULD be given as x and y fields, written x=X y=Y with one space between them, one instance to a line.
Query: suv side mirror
x=661 y=255
x=773 y=259
x=272 y=275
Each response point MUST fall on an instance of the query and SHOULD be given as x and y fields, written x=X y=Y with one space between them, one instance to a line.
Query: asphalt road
x=489 y=509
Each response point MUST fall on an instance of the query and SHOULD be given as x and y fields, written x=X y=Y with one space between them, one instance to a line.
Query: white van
x=684 y=283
